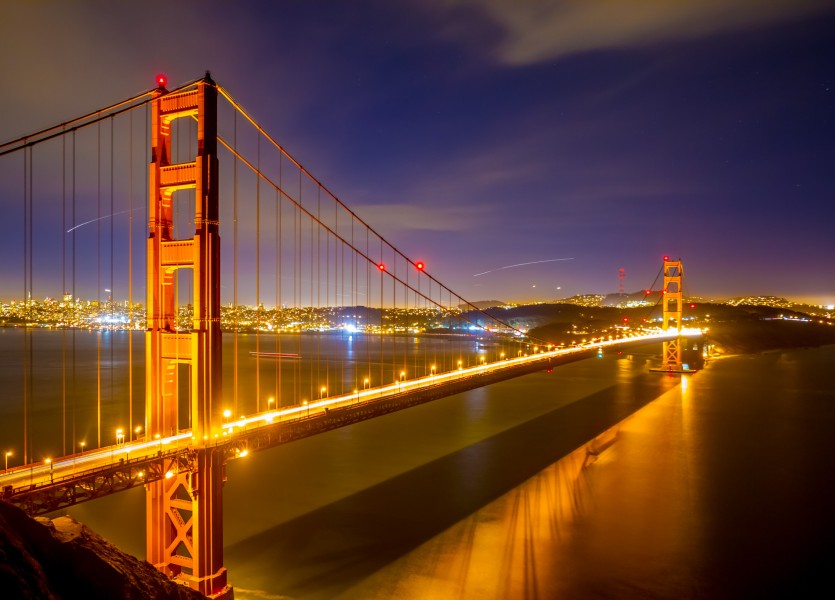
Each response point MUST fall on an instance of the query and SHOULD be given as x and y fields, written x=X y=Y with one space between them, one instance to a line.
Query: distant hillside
x=751 y=336
x=481 y=304
x=732 y=329
x=532 y=315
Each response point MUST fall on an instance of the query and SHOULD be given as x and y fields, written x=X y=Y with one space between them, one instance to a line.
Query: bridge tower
x=184 y=509
x=672 y=310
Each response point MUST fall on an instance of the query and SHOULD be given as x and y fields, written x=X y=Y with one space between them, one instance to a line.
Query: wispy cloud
x=388 y=218
x=537 y=30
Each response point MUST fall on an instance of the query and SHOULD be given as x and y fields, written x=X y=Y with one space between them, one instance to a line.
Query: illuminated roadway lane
x=69 y=468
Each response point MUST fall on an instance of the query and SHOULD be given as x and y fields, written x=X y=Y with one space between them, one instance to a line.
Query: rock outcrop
x=62 y=559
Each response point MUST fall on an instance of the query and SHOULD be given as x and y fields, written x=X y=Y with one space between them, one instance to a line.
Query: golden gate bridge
x=177 y=398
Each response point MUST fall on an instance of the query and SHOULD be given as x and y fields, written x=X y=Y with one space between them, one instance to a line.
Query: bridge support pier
x=185 y=524
x=185 y=508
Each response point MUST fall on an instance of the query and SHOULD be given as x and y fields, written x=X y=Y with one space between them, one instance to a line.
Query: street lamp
x=82 y=444
x=365 y=383
x=308 y=407
x=120 y=436
x=501 y=355
x=432 y=370
x=8 y=454
x=322 y=392
x=49 y=462
x=270 y=401
x=460 y=368
x=137 y=430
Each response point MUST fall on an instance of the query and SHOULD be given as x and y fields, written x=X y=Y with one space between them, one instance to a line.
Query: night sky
x=478 y=134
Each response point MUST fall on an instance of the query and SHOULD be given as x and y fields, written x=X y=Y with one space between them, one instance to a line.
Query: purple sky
x=475 y=136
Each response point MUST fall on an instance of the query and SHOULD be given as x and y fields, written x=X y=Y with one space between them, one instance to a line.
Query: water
x=76 y=385
x=721 y=488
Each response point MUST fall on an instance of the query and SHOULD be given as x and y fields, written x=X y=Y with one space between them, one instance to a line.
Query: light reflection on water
x=720 y=488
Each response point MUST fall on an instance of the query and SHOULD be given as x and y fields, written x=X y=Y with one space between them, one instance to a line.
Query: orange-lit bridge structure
x=295 y=246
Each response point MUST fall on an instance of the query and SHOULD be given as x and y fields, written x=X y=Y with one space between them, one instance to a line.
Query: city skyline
x=476 y=138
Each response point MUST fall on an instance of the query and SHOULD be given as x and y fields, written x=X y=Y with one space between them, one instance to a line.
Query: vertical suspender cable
x=277 y=320
x=294 y=256
x=258 y=312
x=112 y=286
x=310 y=303
x=146 y=205
x=318 y=281
x=72 y=301
x=278 y=269
x=31 y=288
x=98 y=281
x=27 y=308
x=130 y=278
x=235 y=264
x=64 y=294
x=367 y=315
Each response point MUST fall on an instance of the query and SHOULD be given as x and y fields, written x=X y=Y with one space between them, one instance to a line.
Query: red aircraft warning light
x=666 y=258
x=420 y=266
x=647 y=292
x=161 y=80
x=381 y=266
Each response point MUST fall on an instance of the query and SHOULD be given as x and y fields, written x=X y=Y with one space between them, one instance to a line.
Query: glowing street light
x=82 y=444
x=49 y=462
x=137 y=430
x=227 y=414
x=8 y=454
x=270 y=401
x=460 y=368
x=402 y=375
x=432 y=371
x=322 y=392
x=120 y=436
x=365 y=383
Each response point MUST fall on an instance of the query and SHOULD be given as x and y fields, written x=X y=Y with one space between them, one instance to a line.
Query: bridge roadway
x=45 y=486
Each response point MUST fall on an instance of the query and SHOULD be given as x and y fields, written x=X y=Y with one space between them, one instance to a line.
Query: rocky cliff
x=61 y=559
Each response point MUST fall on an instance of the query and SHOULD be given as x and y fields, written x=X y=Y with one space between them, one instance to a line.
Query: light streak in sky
x=535 y=262
x=99 y=219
